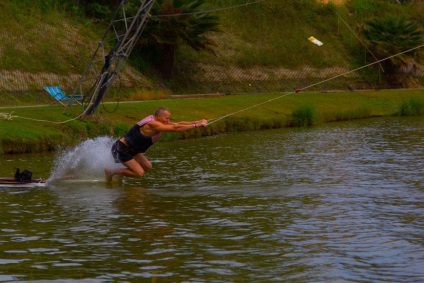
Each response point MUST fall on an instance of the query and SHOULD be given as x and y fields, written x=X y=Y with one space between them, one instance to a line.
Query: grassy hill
x=263 y=48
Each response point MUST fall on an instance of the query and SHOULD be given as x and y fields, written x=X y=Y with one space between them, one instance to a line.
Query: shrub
x=412 y=107
x=304 y=116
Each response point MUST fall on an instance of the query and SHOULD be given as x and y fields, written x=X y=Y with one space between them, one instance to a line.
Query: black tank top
x=137 y=140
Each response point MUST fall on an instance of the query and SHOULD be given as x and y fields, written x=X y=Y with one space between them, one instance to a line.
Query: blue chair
x=57 y=93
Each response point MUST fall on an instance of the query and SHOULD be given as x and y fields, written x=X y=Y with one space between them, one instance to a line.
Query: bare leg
x=108 y=174
x=143 y=161
x=135 y=168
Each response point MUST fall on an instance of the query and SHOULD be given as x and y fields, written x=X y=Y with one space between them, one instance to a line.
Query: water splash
x=84 y=162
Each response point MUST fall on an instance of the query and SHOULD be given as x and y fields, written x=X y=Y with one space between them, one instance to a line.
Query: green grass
x=30 y=134
x=275 y=33
x=42 y=37
x=52 y=36
x=412 y=107
x=304 y=116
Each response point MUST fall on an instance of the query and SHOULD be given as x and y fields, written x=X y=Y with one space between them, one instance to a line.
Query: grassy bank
x=24 y=132
x=51 y=42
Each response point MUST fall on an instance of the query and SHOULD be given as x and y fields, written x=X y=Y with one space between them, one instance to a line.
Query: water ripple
x=337 y=203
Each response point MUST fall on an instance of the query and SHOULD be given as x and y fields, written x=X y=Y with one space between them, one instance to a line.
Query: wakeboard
x=21 y=180
x=13 y=183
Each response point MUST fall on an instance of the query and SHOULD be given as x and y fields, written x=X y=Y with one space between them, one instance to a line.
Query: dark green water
x=343 y=202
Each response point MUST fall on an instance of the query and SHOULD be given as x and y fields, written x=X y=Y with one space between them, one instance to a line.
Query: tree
x=389 y=36
x=174 y=22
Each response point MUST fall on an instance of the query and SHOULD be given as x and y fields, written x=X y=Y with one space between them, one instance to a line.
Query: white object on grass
x=315 y=41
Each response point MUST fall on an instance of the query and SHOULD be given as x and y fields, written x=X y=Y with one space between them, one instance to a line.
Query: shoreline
x=21 y=135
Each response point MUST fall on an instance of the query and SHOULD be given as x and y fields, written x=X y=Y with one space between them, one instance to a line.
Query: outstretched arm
x=199 y=122
x=193 y=124
x=155 y=126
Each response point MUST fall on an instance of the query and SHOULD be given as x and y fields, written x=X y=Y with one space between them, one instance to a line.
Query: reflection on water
x=337 y=203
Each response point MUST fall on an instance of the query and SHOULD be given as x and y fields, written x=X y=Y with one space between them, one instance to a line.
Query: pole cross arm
x=112 y=52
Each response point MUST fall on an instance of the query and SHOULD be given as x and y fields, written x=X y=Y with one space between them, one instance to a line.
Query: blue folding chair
x=57 y=93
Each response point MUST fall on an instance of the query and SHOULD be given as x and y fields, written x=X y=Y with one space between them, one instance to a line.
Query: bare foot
x=119 y=179
x=109 y=175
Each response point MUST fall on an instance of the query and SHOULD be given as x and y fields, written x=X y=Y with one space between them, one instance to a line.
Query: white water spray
x=86 y=161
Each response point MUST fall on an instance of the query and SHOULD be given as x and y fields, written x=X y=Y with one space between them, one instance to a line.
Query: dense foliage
x=389 y=36
x=174 y=22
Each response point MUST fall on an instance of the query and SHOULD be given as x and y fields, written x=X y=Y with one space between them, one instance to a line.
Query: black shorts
x=122 y=153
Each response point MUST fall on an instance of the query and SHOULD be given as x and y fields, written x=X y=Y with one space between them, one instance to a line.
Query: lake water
x=343 y=202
